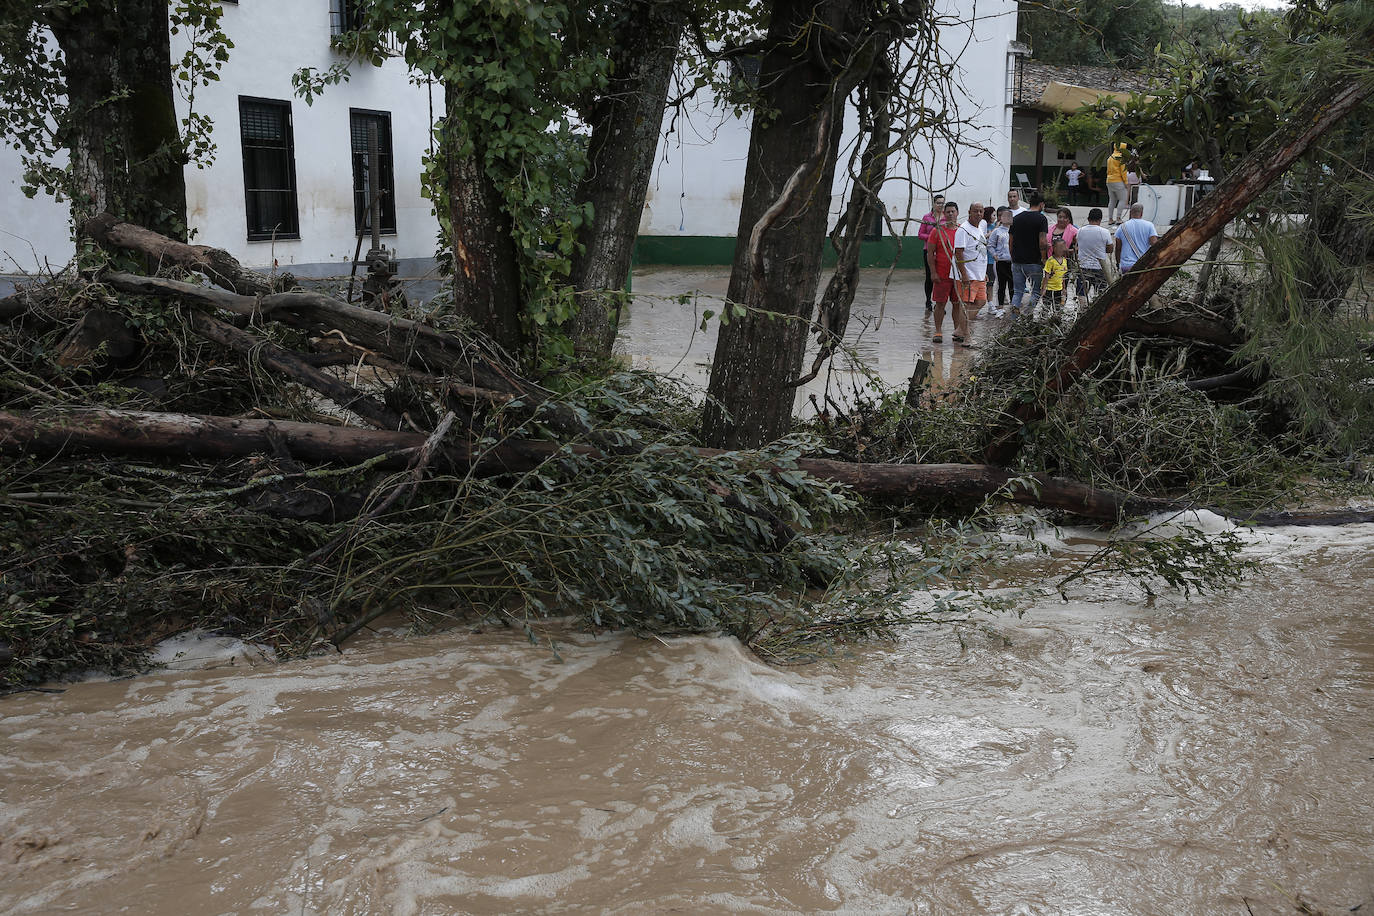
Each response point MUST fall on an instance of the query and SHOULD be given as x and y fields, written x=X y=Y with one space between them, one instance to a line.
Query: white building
x=283 y=189
x=691 y=214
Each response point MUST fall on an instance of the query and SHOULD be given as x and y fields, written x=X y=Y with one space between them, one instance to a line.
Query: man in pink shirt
x=928 y=223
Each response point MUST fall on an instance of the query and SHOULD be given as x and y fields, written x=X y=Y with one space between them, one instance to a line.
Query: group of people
x=1015 y=249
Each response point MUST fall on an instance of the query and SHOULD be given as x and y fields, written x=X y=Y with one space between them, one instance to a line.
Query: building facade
x=288 y=182
x=691 y=215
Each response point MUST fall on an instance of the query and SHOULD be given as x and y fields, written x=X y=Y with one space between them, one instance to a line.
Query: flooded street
x=1116 y=756
x=888 y=331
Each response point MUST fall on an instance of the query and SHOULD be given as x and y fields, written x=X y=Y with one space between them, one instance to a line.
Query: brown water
x=1119 y=756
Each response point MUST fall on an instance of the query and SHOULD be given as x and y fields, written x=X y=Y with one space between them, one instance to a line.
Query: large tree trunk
x=222 y=268
x=782 y=225
x=157 y=197
x=625 y=125
x=122 y=130
x=863 y=207
x=94 y=137
x=486 y=264
x=1099 y=324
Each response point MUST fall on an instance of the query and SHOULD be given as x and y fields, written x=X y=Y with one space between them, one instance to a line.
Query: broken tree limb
x=1188 y=328
x=1099 y=325
x=1198 y=384
x=410 y=343
x=220 y=266
x=150 y=434
x=281 y=360
x=127 y=432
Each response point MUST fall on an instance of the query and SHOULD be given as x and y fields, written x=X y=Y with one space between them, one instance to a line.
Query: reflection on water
x=1117 y=757
x=888 y=331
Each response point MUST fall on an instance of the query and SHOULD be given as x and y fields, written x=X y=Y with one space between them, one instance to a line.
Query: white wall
x=271 y=41
x=35 y=235
x=698 y=179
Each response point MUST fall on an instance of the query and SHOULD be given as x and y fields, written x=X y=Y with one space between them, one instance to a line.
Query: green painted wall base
x=719 y=250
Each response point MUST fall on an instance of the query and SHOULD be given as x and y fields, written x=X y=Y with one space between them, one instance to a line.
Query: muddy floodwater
x=1115 y=755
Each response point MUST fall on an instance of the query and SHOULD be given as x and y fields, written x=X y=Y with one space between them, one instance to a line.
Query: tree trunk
x=787 y=183
x=863 y=207
x=625 y=126
x=1103 y=320
x=121 y=129
x=90 y=44
x=486 y=264
x=157 y=193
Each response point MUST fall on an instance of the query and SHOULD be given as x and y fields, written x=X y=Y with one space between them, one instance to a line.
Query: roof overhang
x=1068 y=98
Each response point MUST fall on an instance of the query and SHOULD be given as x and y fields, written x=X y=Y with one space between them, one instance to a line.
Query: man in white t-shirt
x=1134 y=237
x=971 y=250
x=1094 y=242
x=1014 y=201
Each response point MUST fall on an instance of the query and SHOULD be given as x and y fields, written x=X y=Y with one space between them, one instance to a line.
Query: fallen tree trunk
x=220 y=266
x=128 y=432
x=1099 y=324
x=52 y=432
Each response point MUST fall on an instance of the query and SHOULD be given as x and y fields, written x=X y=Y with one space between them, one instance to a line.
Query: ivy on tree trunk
x=486 y=262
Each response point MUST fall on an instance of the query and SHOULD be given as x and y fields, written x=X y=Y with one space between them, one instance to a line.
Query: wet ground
x=889 y=329
x=1116 y=755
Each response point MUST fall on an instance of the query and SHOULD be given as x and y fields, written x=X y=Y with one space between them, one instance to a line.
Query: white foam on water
x=198 y=649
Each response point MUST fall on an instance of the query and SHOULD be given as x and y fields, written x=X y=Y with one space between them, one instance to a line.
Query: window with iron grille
x=359 y=122
x=269 y=169
x=344 y=16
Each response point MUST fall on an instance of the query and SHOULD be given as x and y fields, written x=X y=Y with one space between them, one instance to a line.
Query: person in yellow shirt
x=1117 y=194
x=1056 y=269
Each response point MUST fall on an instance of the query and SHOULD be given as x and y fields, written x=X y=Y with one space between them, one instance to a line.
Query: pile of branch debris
x=192 y=444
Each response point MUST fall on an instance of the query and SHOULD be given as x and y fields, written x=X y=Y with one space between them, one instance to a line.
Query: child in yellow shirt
x=1056 y=269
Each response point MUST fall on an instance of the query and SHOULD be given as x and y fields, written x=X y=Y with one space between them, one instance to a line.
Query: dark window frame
x=344 y=17
x=358 y=158
x=290 y=229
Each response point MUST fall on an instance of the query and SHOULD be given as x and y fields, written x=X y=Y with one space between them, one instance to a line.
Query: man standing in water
x=1030 y=232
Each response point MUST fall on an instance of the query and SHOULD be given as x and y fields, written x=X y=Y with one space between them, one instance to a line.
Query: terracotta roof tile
x=1034 y=76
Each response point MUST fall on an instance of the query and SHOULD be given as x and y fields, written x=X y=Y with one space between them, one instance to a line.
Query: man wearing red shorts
x=940 y=251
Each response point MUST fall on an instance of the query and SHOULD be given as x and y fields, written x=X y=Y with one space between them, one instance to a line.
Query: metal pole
x=374 y=172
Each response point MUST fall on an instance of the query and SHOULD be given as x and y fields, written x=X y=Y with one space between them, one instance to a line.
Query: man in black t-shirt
x=1030 y=232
